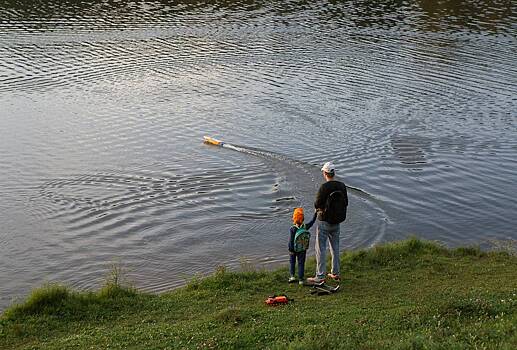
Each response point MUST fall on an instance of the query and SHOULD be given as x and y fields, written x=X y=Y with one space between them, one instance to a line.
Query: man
x=331 y=204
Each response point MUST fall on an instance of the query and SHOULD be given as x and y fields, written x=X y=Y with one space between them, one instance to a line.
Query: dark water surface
x=103 y=105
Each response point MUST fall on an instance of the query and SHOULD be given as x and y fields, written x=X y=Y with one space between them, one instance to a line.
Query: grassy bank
x=407 y=295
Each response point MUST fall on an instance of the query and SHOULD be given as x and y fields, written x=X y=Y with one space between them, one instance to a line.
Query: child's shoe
x=301 y=282
x=292 y=279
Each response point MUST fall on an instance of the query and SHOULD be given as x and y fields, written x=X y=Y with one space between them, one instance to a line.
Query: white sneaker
x=292 y=279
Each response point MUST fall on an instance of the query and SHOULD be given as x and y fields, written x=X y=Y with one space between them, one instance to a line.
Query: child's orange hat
x=298 y=216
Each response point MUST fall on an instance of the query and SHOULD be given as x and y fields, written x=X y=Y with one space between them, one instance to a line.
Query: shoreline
x=404 y=294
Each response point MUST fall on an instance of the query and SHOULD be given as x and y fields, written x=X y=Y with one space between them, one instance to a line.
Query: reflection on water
x=411 y=150
x=477 y=16
x=103 y=105
x=491 y=16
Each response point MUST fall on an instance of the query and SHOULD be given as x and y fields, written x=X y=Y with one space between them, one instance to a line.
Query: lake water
x=103 y=105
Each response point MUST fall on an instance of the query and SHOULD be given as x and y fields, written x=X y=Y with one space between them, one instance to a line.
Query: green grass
x=411 y=294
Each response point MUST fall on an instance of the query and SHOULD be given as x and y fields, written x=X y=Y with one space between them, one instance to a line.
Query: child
x=297 y=250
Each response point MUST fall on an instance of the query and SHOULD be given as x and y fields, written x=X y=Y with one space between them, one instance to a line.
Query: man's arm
x=320 y=199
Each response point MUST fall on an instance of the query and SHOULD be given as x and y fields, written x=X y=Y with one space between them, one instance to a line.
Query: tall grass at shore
x=411 y=294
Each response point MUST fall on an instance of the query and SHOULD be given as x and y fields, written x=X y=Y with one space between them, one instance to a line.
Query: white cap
x=328 y=167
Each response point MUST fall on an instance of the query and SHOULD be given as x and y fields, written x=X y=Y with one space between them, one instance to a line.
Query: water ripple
x=104 y=105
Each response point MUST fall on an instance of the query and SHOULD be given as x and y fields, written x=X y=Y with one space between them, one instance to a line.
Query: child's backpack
x=301 y=239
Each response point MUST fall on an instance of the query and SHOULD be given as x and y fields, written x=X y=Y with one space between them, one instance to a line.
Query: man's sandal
x=334 y=277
